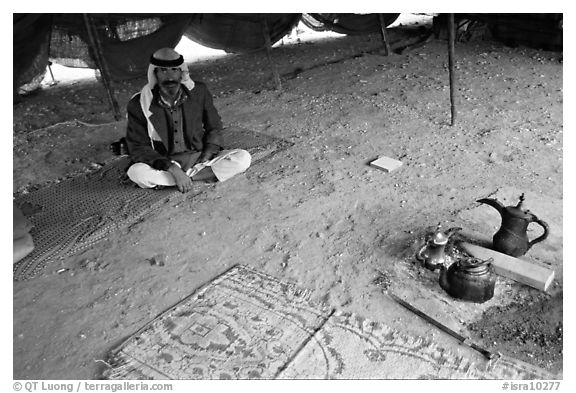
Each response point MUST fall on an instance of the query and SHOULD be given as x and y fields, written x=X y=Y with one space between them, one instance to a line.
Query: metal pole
x=444 y=328
x=384 y=34
x=101 y=64
x=268 y=41
x=451 y=39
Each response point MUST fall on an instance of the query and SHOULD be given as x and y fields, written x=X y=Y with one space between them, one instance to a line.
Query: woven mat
x=76 y=213
x=248 y=325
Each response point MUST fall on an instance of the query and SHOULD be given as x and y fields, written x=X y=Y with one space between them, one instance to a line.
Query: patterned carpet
x=76 y=213
x=248 y=325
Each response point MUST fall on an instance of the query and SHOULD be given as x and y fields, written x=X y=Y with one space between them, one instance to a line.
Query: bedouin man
x=174 y=132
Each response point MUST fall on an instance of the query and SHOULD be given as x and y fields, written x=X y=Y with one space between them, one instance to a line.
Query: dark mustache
x=170 y=82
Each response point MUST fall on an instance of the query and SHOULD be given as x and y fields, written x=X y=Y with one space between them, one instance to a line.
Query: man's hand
x=183 y=182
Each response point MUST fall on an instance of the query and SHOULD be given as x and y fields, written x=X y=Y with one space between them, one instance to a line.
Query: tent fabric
x=239 y=33
x=533 y=30
x=31 y=39
x=127 y=40
x=351 y=24
x=312 y=23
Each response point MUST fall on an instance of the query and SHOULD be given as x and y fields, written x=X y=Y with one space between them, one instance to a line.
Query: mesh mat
x=74 y=214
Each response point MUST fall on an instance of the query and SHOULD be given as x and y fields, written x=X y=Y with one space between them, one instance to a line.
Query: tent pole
x=268 y=41
x=101 y=64
x=451 y=39
x=384 y=34
x=51 y=74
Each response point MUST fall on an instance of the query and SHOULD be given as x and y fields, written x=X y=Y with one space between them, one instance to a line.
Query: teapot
x=512 y=237
x=432 y=254
x=469 y=279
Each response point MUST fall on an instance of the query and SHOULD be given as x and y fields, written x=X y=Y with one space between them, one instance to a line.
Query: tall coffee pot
x=512 y=238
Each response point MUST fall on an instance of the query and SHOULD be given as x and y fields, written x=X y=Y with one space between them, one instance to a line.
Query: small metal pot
x=469 y=279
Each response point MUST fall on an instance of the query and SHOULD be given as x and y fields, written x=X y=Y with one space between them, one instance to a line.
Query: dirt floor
x=315 y=214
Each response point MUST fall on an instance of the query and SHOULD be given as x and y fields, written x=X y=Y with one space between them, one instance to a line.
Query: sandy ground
x=316 y=214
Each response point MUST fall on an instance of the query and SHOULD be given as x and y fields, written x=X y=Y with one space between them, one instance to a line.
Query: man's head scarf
x=165 y=57
x=168 y=58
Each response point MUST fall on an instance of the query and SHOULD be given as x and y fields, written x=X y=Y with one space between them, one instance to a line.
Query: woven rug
x=76 y=213
x=248 y=325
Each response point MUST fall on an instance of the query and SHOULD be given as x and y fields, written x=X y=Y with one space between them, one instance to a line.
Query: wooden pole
x=51 y=74
x=268 y=41
x=101 y=64
x=384 y=34
x=451 y=39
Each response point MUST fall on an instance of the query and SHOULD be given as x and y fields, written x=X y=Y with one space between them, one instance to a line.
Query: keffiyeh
x=159 y=59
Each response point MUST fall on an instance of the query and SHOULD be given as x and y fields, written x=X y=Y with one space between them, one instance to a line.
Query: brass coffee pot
x=512 y=238
x=432 y=253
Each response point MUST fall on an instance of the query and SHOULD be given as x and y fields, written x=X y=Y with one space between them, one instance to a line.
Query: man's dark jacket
x=202 y=125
